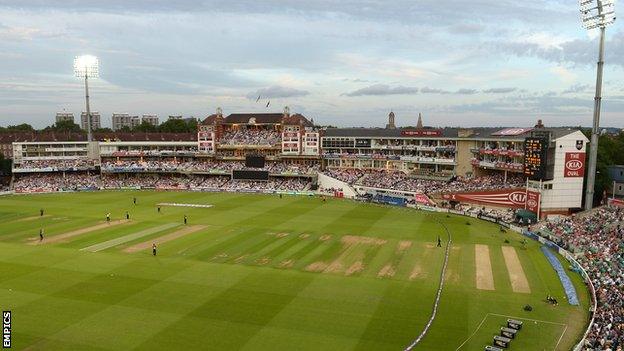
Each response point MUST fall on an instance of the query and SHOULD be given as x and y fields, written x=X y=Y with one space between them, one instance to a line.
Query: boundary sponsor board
x=533 y=201
x=423 y=199
x=616 y=202
x=515 y=198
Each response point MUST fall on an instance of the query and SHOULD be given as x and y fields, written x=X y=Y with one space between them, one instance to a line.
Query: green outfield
x=256 y=272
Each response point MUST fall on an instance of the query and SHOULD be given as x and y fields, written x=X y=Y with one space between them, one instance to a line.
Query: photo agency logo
x=6 y=329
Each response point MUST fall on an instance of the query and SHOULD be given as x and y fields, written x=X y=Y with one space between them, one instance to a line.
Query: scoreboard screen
x=535 y=158
x=254 y=161
x=250 y=175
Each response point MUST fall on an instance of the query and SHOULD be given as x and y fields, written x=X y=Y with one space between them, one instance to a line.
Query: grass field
x=256 y=272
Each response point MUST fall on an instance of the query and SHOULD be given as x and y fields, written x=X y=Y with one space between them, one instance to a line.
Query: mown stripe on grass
x=165 y=238
x=297 y=246
x=207 y=252
x=66 y=236
x=255 y=243
x=323 y=252
x=126 y=238
x=51 y=226
x=255 y=300
x=270 y=250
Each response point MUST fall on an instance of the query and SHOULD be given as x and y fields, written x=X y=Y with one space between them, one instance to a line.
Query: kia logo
x=517 y=197
x=574 y=165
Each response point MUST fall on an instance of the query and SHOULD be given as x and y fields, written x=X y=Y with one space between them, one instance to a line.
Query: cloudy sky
x=341 y=62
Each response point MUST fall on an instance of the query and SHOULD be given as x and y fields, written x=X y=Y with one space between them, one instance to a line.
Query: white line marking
x=561 y=337
x=471 y=335
x=513 y=317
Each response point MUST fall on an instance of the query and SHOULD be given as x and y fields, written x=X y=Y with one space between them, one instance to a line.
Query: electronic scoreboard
x=535 y=158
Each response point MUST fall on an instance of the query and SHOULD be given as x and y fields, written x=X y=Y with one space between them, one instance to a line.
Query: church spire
x=391 y=124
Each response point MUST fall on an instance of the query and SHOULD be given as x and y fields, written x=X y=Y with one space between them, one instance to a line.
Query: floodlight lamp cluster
x=597 y=13
x=86 y=66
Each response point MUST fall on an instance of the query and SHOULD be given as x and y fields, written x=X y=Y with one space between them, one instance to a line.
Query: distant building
x=150 y=119
x=391 y=124
x=121 y=120
x=175 y=117
x=95 y=120
x=64 y=116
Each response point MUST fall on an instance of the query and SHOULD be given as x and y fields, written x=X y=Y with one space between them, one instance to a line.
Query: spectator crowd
x=74 y=181
x=398 y=180
x=224 y=167
x=250 y=137
x=46 y=182
x=57 y=165
x=597 y=239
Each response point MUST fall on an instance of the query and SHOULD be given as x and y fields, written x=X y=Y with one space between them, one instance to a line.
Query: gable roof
x=260 y=118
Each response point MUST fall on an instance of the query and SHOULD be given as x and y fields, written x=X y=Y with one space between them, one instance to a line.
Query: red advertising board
x=616 y=202
x=574 y=164
x=514 y=198
x=421 y=132
x=533 y=201
x=423 y=199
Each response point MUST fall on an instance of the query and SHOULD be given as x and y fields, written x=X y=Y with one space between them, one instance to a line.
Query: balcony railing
x=498 y=152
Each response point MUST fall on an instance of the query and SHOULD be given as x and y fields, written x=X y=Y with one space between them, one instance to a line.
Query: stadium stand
x=597 y=239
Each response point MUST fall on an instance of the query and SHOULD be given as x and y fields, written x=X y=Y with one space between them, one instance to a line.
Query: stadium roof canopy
x=446 y=133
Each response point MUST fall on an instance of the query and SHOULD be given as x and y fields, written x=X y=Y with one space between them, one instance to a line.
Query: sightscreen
x=254 y=161
x=250 y=175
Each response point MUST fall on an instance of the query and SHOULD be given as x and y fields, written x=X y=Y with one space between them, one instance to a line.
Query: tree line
x=168 y=126
x=610 y=152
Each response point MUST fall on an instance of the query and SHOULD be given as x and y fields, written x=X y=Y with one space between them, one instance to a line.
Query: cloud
x=427 y=90
x=577 y=51
x=500 y=90
x=383 y=89
x=466 y=91
x=576 y=88
x=466 y=28
x=433 y=13
x=277 y=91
x=316 y=52
x=18 y=33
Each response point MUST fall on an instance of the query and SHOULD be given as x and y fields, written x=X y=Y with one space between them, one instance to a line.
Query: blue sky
x=347 y=63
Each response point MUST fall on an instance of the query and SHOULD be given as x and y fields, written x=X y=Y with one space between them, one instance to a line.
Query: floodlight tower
x=86 y=67
x=596 y=14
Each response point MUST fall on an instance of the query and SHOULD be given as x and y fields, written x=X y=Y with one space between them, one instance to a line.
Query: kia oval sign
x=574 y=164
x=517 y=197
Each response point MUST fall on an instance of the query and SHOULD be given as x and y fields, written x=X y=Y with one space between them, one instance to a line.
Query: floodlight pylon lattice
x=87 y=66
x=596 y=14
